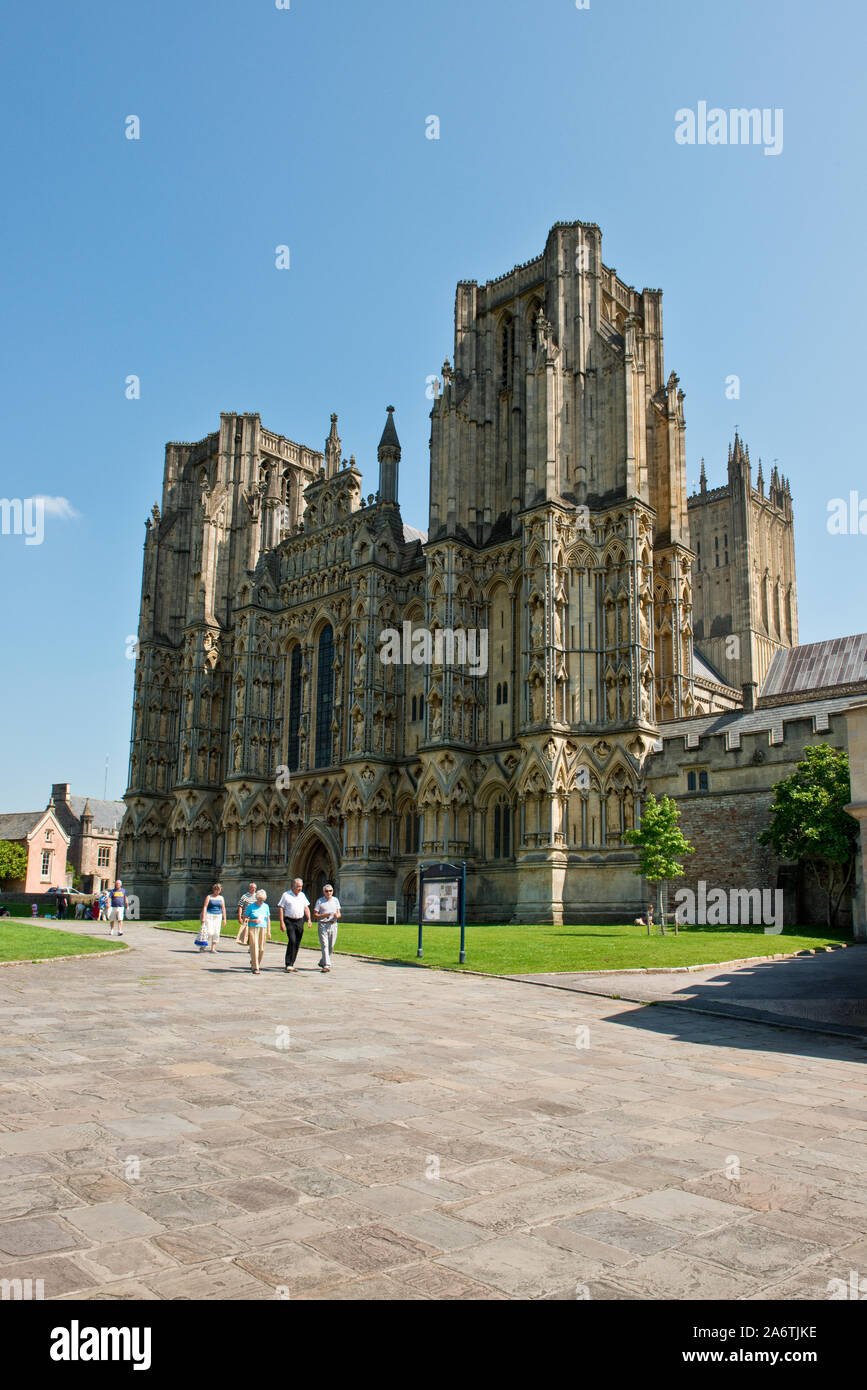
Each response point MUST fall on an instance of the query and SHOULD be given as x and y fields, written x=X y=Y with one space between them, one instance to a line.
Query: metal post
x=463 y=957
x=420 y=953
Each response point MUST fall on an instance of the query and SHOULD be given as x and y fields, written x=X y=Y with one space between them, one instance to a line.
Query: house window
x=103 y=859
x=49 y=835
x=324 y=697
x=46 y=863
x=697 y=781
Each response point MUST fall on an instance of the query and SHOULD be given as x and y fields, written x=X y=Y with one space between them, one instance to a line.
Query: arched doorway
x=313 y=862
x=410 y=898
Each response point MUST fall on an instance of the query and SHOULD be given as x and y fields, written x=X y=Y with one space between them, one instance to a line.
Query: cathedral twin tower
x=269 y=739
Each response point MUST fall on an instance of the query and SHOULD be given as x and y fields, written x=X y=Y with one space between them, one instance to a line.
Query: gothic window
x=324 y=697
x=505 y=692
x=414 y=707
x=502 y=830
x=697 y=781
x=698 y=553
x=292 y=751
x=507 y=349
x=499 y=694
x=411 y=827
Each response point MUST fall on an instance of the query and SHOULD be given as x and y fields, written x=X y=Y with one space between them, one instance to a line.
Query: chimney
x=749 y=689
x=60 y=793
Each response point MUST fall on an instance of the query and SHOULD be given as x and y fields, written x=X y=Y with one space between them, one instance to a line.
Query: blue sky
x=306 y=127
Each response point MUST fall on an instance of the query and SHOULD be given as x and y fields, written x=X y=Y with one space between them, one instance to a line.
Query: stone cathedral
x=271 y=741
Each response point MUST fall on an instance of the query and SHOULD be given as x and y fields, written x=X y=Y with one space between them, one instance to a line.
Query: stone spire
x=702 y=481
x=760 y=480
x=389 y=458
x=332 y=450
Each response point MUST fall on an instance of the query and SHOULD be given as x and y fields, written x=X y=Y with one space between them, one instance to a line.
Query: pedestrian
x=79 y=911
x=117 y=902
x=258 y=917
x=327 y=914
x=294 y=911
x=34 y=909
x=94 y=910
x=214 y=915
x=103 y=905
x=61 y=902
x=245 y=901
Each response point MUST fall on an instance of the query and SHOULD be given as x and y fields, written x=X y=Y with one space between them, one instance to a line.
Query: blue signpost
x=442 y=897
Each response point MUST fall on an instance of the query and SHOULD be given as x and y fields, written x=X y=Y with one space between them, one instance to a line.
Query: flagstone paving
x=173 y=1127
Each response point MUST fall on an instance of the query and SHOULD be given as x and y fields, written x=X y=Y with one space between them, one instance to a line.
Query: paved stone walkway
x=827 y=992
x=172 y=1126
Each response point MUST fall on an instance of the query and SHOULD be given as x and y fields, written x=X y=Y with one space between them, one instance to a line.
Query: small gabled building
x=47 y=844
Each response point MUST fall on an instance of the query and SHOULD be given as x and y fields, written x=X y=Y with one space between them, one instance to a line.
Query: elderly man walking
x=327 y=914
x=245 y=901
x=118 y=902
x=294 y=911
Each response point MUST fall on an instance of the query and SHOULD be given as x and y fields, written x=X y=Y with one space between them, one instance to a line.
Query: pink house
x=46 y=842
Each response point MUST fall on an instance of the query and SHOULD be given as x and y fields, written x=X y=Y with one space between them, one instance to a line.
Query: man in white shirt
x=294 y=911
x=327 y=914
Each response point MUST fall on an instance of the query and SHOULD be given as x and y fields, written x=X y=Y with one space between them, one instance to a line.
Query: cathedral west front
x=279 y=732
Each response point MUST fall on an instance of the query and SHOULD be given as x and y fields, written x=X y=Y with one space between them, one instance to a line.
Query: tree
x=809 y=825
x=660 y=843
x=13 y=861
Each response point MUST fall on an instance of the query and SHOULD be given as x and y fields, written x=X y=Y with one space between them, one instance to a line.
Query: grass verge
x=24 y=941
x=509 y=950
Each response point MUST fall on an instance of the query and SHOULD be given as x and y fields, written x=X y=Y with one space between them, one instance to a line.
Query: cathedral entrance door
x=316 y=868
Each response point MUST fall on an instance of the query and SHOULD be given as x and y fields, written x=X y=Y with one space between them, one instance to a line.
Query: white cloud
x=59 y=507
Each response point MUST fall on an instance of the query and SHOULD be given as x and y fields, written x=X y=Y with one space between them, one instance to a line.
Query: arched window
x=502 y=830
x=499 y=694
x=414 y=708
x=507 y=348
x=411 y=824
x=324 y=697
x=292 y=751
x=505 y=692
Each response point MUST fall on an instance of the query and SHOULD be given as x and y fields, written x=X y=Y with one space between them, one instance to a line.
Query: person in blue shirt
x=117 y=903
x=258 y=918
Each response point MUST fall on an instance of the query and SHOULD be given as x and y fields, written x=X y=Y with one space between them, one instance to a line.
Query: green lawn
x=23 y=941
x=506 y=950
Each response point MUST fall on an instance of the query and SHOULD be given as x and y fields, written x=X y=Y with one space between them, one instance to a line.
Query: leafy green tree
x=13 y=861
x=661 y=844
x=809 y=825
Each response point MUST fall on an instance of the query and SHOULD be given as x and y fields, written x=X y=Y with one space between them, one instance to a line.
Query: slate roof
x=758 y=720
x=17 y=825
x=107 y=815
x=703 y=670
x=412 y=533
x=817 y=666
